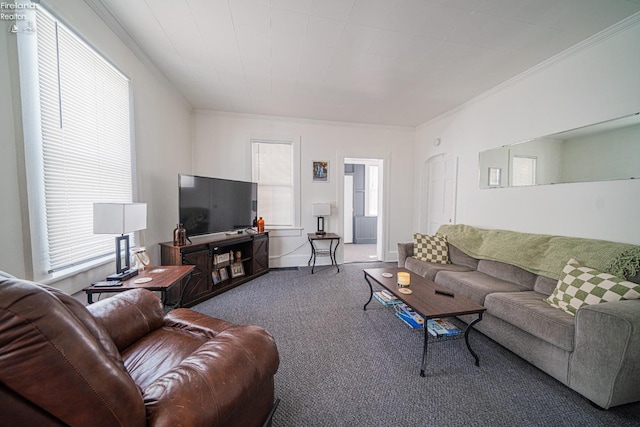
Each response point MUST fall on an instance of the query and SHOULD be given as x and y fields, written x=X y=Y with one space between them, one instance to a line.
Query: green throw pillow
x=579 y=285
x=431 y=248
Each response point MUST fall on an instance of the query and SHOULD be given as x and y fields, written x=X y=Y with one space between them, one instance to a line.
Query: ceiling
x=394 y=62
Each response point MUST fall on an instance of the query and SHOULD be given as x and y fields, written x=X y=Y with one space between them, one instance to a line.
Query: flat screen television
x=214 y=205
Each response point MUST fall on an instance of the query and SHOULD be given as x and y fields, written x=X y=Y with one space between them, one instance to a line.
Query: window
x=274 y=169
x=524 y=170
x=77 y=144
x=372 y=190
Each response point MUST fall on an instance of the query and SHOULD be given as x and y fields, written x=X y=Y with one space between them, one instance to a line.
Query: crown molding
x=231 y=114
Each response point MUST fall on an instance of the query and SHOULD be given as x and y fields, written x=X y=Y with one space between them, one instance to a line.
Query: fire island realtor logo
x=18 y=14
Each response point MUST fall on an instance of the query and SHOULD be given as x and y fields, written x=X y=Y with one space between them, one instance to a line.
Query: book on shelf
x=442 y=328
x=386 y=299
x=409 y=316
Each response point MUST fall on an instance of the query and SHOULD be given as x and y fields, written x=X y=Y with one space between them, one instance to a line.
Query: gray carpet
x=342 y=366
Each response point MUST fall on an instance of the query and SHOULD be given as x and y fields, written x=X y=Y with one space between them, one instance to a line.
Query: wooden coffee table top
x=424 y=300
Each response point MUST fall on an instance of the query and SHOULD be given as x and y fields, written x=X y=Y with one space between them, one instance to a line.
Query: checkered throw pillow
x=579 y=285
x=431 y=248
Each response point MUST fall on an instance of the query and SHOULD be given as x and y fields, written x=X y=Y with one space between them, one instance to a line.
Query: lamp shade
x=321 y=209
x=119 y=218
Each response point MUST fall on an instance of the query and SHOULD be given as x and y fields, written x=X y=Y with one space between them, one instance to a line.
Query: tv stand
x=207 y=254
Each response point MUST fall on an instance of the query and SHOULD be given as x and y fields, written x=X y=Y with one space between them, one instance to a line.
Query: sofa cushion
x=528 y=311
x=474 y=284
x=545 y=285
x=580 y=285
x=431 y=248
x=129 y=317
x=456 y=256
x=507 y=272
x=430 y=269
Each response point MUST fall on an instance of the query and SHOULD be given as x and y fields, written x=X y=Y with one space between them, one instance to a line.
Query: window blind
x=274 y=172
x=86 y=146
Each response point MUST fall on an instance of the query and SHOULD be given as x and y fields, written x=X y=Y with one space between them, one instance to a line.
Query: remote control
x=447 y=293
x=108 y=283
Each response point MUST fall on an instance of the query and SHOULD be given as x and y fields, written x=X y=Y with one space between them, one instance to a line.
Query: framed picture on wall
x=320 y=171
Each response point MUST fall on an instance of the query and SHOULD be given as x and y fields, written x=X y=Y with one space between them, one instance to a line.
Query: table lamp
x=321 y=210
x=120 y=218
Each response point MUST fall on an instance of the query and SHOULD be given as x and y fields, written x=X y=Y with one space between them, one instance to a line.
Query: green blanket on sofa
x=543 y=254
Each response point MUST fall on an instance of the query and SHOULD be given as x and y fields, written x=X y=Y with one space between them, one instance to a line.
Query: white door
x=348 y=209
x=441 y=182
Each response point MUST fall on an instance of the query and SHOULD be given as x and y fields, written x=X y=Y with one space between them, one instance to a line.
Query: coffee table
x=426 y=302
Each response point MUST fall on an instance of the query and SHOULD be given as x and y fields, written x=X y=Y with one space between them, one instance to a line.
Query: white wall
x=594 y=84
x=162 y=126
x=222 y=149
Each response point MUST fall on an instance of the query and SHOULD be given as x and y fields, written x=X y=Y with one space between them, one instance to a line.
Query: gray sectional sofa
x=596 y=352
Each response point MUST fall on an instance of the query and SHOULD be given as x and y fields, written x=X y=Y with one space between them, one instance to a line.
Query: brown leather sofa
x=123 y=362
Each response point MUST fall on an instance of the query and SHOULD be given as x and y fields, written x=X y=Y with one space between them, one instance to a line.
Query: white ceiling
x=398 y=62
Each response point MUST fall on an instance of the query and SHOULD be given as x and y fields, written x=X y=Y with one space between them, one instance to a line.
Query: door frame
x=383 y=211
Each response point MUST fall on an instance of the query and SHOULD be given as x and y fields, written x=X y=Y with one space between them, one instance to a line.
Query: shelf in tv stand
x=200 y=252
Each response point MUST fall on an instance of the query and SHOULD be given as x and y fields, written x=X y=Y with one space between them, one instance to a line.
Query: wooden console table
x=203 y=253
x=163 y=277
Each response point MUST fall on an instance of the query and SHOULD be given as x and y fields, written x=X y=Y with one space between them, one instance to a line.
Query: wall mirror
x=603 y=151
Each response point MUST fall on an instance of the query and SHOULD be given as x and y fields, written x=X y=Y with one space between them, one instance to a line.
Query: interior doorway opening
x=363 y=184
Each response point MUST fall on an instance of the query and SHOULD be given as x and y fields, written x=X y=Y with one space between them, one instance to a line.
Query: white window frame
x=32 y=128
x=294 y=228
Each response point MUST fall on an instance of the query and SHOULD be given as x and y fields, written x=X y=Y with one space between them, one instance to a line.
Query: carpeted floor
x=342 y=366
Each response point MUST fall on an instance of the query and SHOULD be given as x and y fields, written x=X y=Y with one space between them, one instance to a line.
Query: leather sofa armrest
x=607 y=353
x=195 y=322
x=128 y=316
x=405 y=250
x=216 y=380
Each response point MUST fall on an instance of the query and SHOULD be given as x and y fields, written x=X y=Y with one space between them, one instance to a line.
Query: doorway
x=363 y=183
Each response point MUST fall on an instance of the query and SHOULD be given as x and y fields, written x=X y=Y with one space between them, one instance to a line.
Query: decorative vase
x=179 y=236
x=260 y=225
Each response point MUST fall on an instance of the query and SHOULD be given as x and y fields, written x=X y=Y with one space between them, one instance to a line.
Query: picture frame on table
x=237 y=269
x=321 y=171
x=224 y=274
x=215 y=276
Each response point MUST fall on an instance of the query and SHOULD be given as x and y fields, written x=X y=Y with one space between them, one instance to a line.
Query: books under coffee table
x=441 y=328
x=427 y=302
x=386 y=298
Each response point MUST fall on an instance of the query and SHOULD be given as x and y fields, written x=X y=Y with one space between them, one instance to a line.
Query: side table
x=163 y=277
x=330 y=252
